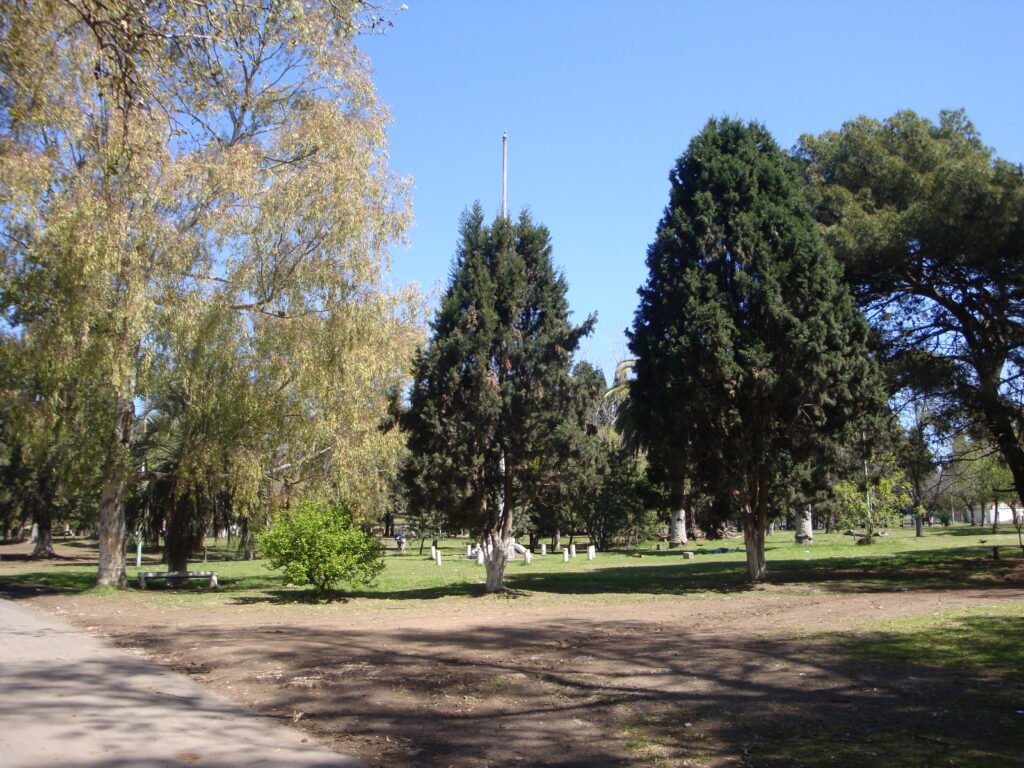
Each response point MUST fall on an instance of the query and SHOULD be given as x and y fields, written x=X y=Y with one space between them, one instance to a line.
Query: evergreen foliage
x=575 y=459
x=619 y=513
x=929 y=225
x=493 y=384
x=751 y=359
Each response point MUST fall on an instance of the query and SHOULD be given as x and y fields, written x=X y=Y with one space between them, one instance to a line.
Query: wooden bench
x=177 y=577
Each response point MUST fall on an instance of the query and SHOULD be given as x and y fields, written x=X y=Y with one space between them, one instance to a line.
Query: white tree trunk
x=495 y=558
x=804 y=527
x=677 y=528
x=753 y=538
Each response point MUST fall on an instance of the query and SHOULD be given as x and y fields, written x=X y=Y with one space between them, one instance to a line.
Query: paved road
x=71 y=700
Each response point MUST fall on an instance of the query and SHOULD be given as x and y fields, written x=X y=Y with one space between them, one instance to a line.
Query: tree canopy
x=492 y=386
x=929 y=225
x=751 y=359
x=180 y=174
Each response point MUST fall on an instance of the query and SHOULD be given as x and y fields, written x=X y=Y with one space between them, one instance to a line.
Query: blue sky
x=599 y=99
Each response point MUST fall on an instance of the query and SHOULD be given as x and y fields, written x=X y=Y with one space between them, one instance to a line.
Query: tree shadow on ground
x=21 y=585
x=286 y=596
x=610 y=694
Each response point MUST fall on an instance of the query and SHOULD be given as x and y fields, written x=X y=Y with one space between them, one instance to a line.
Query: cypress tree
x=751 y=360
x=492 y=383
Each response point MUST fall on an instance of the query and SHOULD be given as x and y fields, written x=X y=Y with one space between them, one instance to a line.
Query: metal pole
x=504 y=175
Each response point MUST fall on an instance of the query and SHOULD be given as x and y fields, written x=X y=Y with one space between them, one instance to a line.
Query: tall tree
x=751 y=359
x=161 y=158
x=493 y=383
x=929 y=225
x=576 y=454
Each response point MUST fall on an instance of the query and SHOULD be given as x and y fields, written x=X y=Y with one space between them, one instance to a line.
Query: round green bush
x=317 y=543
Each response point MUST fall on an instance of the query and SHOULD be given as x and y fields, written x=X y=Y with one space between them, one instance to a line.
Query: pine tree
x=492 y=384
x=750 y=356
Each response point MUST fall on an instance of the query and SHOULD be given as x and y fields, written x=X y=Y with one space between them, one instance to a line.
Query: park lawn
x=980 y=646
x=764 y=679
x=945 y=557
x=985 y=640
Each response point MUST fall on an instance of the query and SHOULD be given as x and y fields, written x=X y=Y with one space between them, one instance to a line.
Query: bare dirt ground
x=498 y=681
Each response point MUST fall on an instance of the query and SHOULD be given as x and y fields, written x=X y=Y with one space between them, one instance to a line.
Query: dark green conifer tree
x=492 y=384
x=751 y=359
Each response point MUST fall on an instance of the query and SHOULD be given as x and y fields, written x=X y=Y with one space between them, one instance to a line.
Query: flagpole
x=504 y=175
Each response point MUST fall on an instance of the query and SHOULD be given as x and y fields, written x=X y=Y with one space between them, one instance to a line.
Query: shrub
x=316 y=543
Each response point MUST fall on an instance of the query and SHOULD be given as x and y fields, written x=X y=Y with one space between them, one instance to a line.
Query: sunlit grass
x=985 y=639
x=956 y=556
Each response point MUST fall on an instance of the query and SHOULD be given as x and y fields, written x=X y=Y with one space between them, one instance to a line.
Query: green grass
x=950 y=558
x=968 y=711
x=983 y=640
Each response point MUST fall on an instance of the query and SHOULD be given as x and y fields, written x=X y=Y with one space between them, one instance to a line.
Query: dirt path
x=501 y=682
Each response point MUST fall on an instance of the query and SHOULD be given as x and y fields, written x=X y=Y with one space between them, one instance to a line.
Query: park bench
x=177 y=577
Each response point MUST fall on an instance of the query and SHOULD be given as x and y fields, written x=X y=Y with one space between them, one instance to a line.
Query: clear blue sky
x=599 y=98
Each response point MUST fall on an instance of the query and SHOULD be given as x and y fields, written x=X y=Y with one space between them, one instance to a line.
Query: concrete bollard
x=591 y=552
x=572 y=550
x=543 y=549
x=565 y=555
x=480 y=557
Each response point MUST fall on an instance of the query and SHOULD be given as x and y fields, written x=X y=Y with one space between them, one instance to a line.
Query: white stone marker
x=565 y=555
x=543 y=549
x=433 y=552
x=591 y=552
x=480 y=556
x=437 y=556
x=529 y=557
x=572 y=550
x=469 y=550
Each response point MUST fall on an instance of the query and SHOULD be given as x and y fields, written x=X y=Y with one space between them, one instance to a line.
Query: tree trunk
x=186 y=529
x=111 y=507
x=995 y=517
x=495 y=541
x=755 y=523
x=112 y=534
x=804 y=527
x=44 y=536
x=677 y=528
x=1000 y=418
x=495 y=559
x=753 y=538
x=918 y=524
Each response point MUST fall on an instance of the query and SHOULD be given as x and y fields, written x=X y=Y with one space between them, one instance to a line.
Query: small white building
x=1004 y=513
